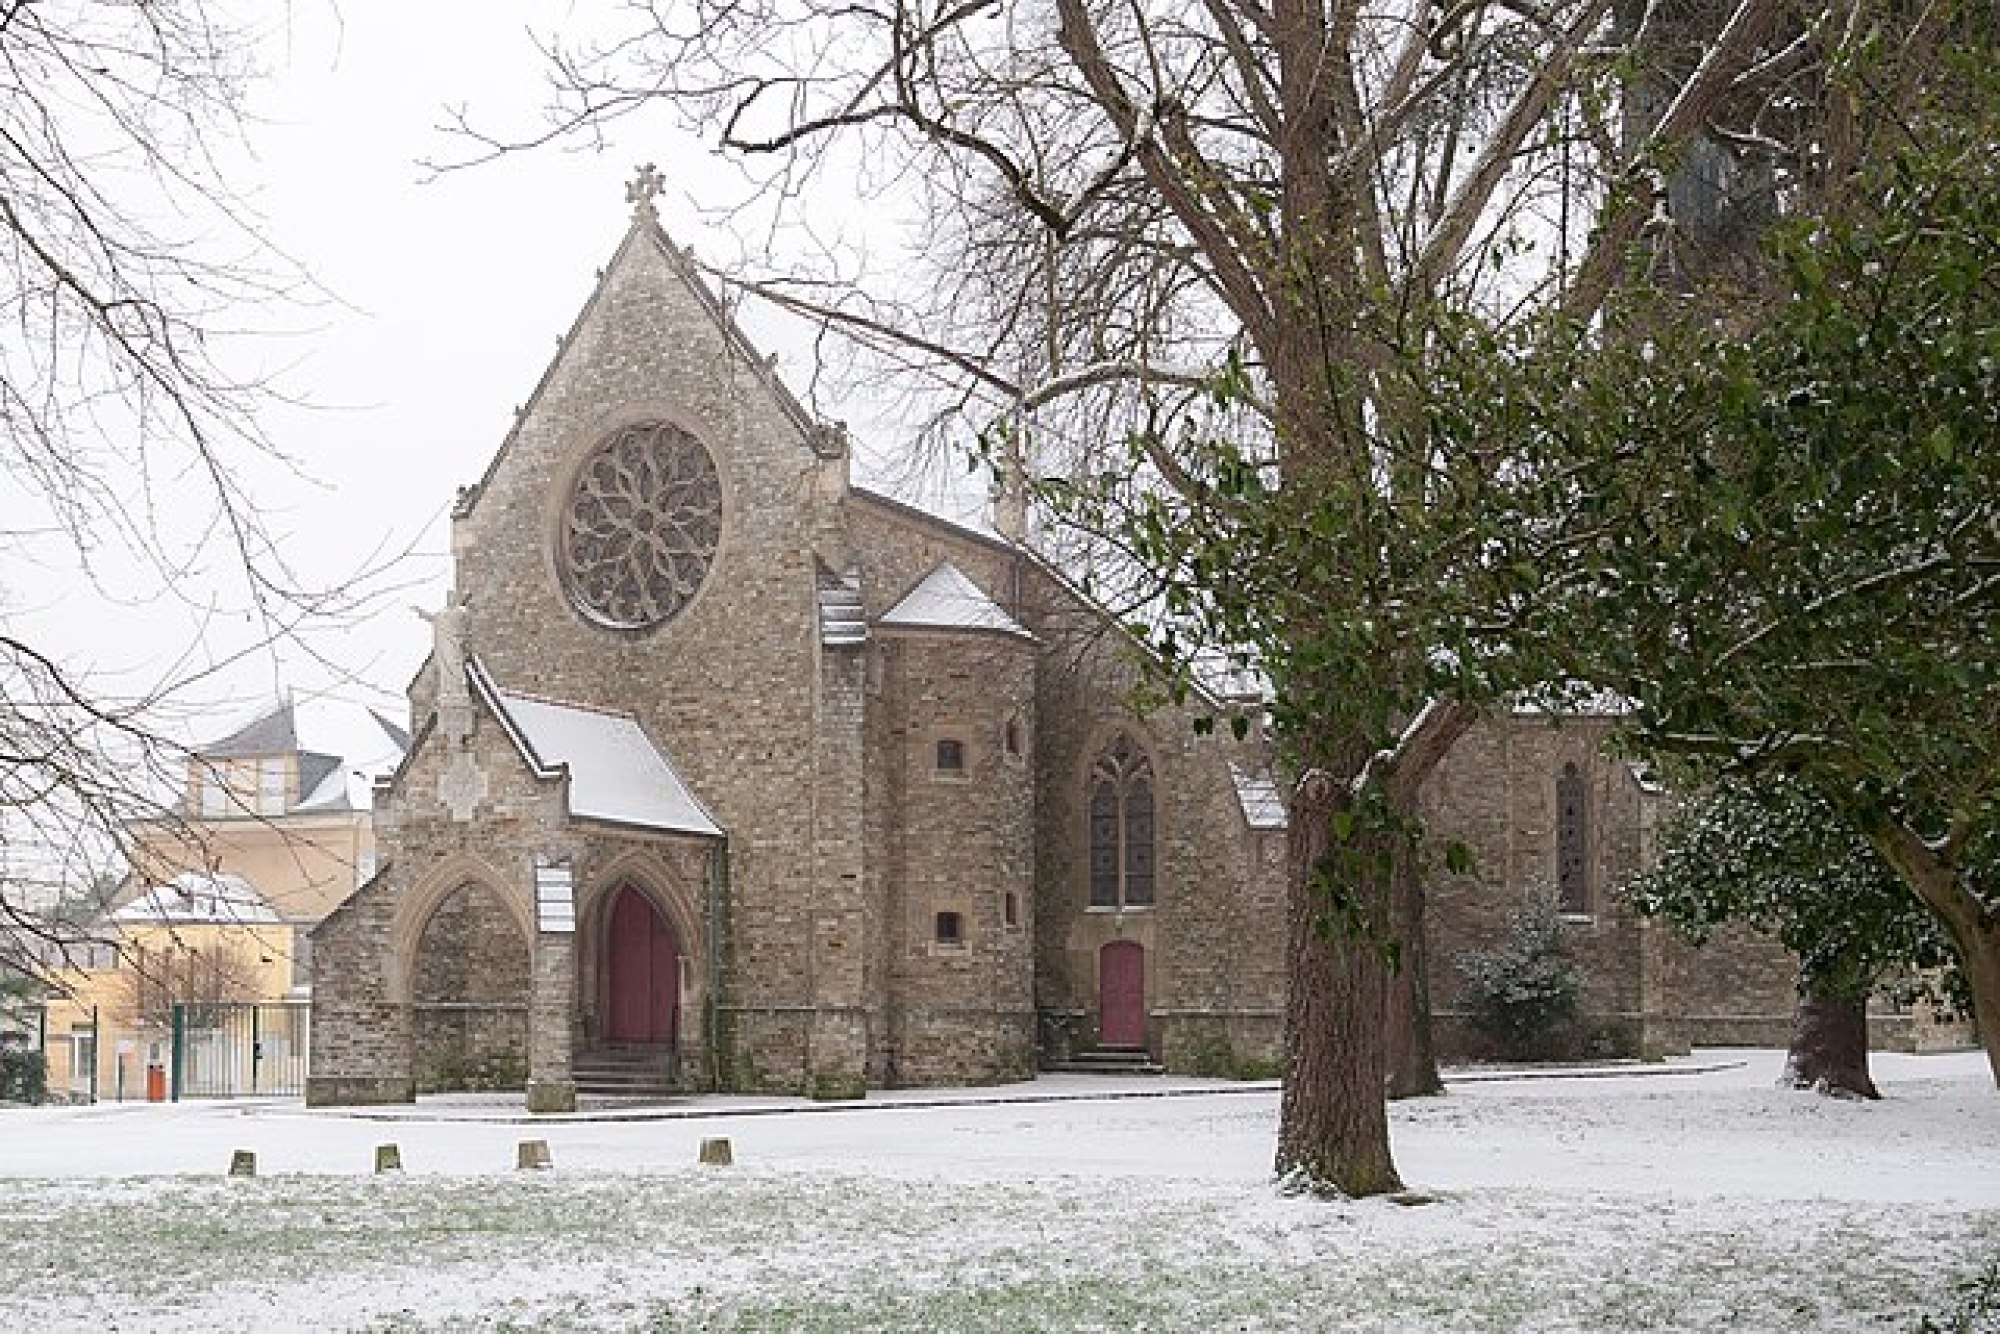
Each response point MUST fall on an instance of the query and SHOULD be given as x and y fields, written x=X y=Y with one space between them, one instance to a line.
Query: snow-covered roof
x=272 y=733
x=946 y=600
x=616 y=773
x=346 y=747
x=340 y=747
x=1257 y=793
x=199 y=897
x=969 y=517
x=1230 y=676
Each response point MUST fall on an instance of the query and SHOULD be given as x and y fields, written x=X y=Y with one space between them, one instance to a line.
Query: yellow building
x=268 y=836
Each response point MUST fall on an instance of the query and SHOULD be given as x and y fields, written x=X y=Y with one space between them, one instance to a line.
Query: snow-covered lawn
x=1700 y=1198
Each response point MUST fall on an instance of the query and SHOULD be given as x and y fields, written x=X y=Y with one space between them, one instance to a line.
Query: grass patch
x=753 y=1250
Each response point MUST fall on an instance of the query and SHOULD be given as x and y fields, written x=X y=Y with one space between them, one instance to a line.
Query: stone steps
x=1109 y=1061
x=625 y=1072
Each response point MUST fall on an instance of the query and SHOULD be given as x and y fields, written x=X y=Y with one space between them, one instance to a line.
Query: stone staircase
x=1109 y=1061
x=626 y=1070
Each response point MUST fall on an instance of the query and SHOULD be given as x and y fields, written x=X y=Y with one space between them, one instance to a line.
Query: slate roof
x=946 y=600
x=276 y=733
x=322 y=784
x=332 y=779
x=616 y=773
x=398 y=735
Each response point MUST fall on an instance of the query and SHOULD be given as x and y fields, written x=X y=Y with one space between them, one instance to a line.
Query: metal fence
x=240 y=1049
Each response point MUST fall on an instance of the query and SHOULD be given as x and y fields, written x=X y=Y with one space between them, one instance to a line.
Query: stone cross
x=644 y=188
x=462 y=785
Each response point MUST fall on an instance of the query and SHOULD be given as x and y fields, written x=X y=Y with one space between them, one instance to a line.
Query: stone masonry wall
x=960 y=1005
x=728 y=686
x=1496 y=793
x=945 y=1016
x=1213 y=941
x=1736 y=989
x=361 y=1032
x=371 y=956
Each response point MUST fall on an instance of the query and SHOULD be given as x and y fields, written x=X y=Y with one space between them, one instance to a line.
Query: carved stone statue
x=448 y=628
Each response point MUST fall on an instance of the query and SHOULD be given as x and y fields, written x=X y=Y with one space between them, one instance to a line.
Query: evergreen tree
x=1774 y=856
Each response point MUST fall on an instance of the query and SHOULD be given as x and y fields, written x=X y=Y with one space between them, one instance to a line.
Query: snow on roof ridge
x=557 y=701
x=948 y=599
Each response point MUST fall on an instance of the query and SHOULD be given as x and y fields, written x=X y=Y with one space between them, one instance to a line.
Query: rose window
x=642 y=526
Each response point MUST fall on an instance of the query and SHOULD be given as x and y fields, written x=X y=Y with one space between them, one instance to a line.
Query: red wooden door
x=1121 y=995
x=643 y=963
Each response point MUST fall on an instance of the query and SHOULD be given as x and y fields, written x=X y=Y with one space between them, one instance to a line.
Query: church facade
x=730 y=770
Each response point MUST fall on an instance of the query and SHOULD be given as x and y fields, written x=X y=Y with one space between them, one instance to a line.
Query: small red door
x=1121 y=995
x=644 y=972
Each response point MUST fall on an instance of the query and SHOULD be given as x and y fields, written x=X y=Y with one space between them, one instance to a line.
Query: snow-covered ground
x=1696 y=1196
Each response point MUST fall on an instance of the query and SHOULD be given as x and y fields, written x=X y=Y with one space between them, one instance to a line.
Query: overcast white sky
x=448 y=296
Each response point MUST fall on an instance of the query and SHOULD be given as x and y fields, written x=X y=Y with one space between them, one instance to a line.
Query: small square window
x=950 y=756
x=950 y=929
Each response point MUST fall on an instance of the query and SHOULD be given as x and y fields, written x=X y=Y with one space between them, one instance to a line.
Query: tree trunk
x=1333 y=1129
x=1412 y=1062
x=1829 y=1051
x=1979 y=959
x=1973 y=927
x=1424 y=743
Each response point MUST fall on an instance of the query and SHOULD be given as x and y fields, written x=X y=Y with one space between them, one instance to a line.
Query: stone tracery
x=641 y=527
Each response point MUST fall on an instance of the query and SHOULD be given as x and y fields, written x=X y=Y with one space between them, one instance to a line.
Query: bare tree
x=132 y=284
x=1211 y=252
x=174 y=972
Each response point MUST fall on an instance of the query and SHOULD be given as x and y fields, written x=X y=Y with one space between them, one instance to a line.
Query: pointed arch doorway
x=642 y=972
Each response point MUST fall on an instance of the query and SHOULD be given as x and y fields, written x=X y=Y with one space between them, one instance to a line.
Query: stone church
x=728 y=773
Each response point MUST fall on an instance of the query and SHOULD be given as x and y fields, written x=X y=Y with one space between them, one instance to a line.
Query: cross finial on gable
x=644 y=188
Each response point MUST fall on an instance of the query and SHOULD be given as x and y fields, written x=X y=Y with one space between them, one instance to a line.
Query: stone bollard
x=243 y=1163
x=388 y=1158
x=715 y=1152
x=532 y=1154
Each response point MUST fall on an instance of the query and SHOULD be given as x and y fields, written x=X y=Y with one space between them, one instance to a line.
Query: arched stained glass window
x=1121 y=826
x=1572 y=860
